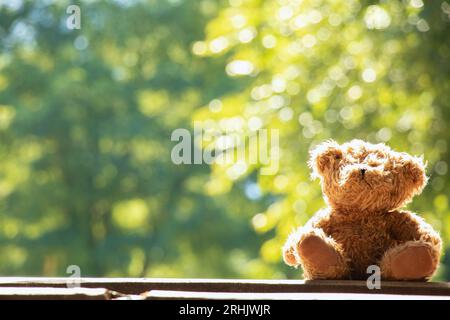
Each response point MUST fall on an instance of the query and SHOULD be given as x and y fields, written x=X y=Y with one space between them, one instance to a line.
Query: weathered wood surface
x=45 y=293
x=137 y=286
x=189 y=295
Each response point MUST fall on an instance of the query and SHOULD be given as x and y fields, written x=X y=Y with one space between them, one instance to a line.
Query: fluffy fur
x=365 y=185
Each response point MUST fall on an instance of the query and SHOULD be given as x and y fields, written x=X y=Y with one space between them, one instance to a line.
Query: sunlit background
x=86 y=118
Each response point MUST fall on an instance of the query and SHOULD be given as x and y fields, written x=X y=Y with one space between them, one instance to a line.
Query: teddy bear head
x=358 y=175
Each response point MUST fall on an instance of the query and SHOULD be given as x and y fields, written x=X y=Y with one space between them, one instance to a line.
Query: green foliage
x=86 y=176
x=86 y=118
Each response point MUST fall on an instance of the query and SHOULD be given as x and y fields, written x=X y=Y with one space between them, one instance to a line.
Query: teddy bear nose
x=363 y=171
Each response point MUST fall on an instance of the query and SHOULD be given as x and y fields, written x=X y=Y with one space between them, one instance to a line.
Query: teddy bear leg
x=412 y=260
x=316 y=253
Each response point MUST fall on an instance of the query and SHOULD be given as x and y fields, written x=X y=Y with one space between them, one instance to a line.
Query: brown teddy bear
x=364 y=186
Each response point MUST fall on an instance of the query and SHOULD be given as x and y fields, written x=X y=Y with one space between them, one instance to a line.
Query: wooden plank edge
x=189 y=295
x=50 y=293
x=140 y=285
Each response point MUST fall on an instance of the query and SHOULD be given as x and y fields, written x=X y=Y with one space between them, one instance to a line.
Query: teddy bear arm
x=407 y=226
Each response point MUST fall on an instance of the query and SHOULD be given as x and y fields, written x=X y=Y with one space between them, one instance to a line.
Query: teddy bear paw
x=414 y=262
x=290 y=258
x=315 y=251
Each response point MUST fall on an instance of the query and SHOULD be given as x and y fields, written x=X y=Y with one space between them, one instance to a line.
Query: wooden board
x=189 y=295
x=46 y=293
x=139 y=285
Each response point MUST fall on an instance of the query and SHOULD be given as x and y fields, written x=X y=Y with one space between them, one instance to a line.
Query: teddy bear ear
x=414 y=174
x=323 y=156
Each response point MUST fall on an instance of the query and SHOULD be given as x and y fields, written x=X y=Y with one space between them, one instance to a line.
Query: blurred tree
x=85 y=123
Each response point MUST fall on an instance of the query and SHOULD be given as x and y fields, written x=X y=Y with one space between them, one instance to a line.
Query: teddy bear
x=365 y=186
